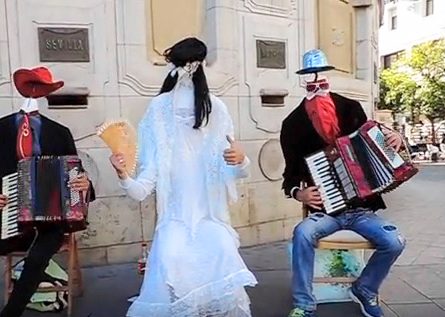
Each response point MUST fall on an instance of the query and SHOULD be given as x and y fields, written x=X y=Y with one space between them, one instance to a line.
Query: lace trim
x=225 y=297
x=156 y=129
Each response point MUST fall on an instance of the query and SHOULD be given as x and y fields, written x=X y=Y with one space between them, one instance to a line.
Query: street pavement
x=415 y=287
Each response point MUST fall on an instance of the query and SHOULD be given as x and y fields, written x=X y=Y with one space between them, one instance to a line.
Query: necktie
x=24 y=138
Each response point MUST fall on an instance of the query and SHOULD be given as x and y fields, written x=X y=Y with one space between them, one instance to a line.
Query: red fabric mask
x=321 y=111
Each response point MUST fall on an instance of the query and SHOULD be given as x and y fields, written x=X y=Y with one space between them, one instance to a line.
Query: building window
x=388 y=60
x=429 y=7
x=394 y=21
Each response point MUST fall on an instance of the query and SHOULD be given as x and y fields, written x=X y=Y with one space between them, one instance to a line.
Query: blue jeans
x=384 y=236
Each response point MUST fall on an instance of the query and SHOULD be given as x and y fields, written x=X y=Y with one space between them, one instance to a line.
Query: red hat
x=35 y=83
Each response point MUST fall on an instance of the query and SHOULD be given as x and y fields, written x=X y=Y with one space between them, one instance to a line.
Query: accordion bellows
x=120 y=136
x=357 y=167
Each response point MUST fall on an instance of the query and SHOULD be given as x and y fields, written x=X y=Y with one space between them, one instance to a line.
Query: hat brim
x=30 y=85
x=312 y=70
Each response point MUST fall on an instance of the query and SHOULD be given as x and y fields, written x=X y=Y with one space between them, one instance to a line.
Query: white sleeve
x=139 y=188
x=242 y=170
x=235 y=171
x=145 y=182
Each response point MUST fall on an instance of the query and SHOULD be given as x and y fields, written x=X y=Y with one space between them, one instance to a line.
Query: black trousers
x=44 y=244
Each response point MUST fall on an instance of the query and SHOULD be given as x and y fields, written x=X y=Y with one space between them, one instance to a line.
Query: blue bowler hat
x=314 y=61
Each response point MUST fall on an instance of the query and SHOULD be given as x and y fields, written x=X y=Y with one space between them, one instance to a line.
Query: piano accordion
x=358 y=166
x=39 y=195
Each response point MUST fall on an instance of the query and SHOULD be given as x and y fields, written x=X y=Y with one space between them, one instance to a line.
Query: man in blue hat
x=321 y=118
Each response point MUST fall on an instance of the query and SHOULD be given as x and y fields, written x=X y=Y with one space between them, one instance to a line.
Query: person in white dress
x=188 y=156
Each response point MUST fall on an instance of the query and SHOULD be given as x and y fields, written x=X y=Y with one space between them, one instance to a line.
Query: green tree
x=397 y=89
x=428 y=61
x=416 y=83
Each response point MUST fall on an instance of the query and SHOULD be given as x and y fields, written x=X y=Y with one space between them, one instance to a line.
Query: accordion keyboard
x=377 y=136
x=9 y=222
x=323 y=175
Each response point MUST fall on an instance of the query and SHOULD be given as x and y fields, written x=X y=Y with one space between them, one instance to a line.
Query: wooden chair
x=340 y=240
x=74 y=287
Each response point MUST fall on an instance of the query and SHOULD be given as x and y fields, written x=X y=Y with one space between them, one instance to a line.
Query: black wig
x=187 y=51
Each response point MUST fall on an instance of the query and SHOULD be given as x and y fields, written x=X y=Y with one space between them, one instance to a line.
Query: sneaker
x=297 y=312
x=368 y=305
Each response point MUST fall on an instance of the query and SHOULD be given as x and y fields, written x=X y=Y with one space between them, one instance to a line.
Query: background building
x=108 y=52
x=407 y=23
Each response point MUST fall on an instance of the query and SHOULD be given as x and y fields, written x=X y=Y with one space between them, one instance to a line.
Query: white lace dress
x=194 y=268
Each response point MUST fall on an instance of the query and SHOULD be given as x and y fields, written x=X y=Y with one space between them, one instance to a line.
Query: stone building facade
x=108 y=52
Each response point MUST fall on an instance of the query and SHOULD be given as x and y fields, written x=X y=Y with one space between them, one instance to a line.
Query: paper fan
x=120 y=136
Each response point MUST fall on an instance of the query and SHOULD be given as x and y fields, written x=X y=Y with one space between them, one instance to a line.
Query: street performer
x=320 y=119
x=188 y=155
x=25 y=134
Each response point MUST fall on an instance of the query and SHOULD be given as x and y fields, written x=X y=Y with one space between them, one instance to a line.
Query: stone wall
x=255 y=47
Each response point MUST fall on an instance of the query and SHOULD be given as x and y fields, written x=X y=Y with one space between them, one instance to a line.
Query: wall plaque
x=64 y=45
x=271 y=54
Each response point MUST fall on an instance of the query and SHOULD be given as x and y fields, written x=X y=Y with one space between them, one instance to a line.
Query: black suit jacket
x=300 y=139
x=55 y=139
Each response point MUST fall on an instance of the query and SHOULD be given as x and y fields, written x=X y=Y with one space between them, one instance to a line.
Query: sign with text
x=64 y=45
x=271 y=54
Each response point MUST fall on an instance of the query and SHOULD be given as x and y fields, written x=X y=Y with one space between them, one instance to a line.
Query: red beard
x=321 y=111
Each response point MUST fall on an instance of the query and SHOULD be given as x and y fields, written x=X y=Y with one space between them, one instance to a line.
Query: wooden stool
x=340 y=240
x=74 y=287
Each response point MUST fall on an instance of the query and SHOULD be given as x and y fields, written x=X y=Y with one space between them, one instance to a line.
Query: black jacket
x=300 y=139
x=55 y=139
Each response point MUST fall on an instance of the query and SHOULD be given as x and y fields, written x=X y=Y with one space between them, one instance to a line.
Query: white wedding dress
x=194 y=268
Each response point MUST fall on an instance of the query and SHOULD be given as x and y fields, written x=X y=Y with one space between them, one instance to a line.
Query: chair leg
x=70 y=273
x=8 y=278
x=78 y=282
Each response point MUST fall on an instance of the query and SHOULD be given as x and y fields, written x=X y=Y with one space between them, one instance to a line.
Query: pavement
x=414 y=288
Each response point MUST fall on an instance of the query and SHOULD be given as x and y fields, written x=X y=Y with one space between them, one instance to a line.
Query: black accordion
x=39 y=195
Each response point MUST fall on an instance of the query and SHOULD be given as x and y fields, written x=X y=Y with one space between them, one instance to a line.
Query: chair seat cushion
x=343 y=236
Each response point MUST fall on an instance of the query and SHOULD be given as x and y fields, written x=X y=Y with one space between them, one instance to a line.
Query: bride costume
x=194 y=268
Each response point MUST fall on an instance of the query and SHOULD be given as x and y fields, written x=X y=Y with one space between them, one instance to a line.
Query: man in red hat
x=24 y=134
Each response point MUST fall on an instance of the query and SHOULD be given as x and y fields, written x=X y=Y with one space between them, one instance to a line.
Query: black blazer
x=55 y=139
x=299 y=139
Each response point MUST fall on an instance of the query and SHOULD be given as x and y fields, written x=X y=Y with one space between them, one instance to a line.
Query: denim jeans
x=384 y=236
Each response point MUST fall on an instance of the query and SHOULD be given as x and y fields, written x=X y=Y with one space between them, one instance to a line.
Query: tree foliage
x=416 y=82
x=397 y=89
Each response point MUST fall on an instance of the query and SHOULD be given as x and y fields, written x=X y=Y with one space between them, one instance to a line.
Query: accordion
x=358 y=166
x=39 y=194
